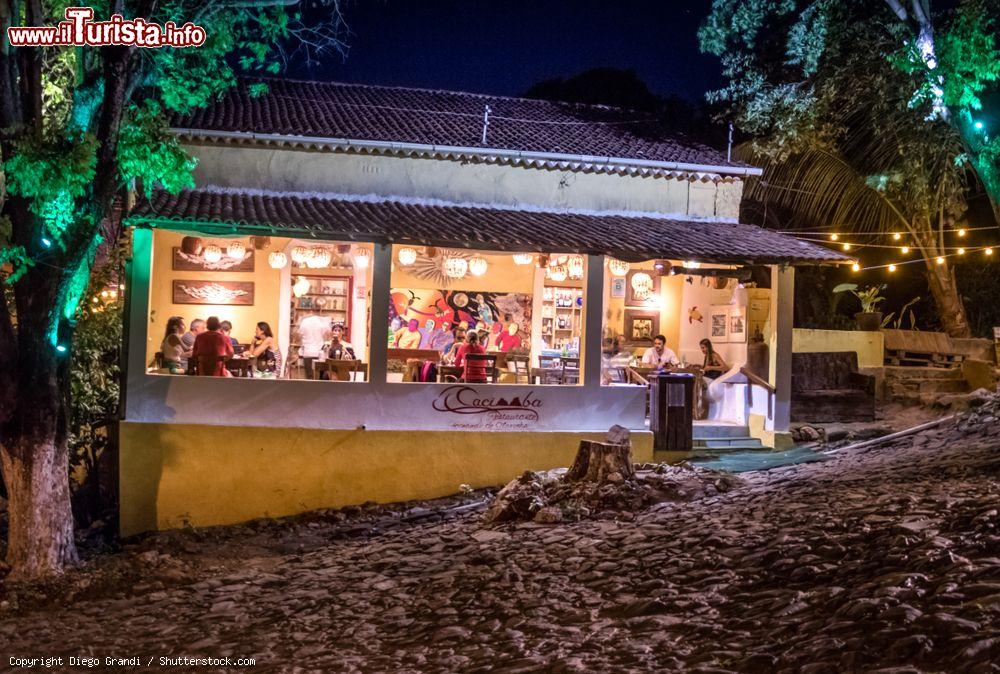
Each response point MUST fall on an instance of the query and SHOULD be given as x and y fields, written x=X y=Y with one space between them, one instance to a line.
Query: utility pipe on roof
x=618 y=162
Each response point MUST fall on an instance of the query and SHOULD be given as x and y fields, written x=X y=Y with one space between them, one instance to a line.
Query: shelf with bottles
x=328 y=297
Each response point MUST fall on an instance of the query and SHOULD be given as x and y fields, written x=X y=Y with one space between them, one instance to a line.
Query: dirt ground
x=879 y=558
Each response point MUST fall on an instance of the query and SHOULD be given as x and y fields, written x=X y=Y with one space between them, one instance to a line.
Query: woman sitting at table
x=212 y=345
x=172 y=360
x=714 y=364
x=339 y=349
x=471 y=373
x=264 y=347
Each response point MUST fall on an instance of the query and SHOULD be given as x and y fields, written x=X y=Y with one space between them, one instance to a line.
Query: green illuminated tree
x=866 y=118
x=80 y=127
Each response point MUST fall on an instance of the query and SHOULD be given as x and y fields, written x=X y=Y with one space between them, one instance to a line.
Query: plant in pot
x=869 y=319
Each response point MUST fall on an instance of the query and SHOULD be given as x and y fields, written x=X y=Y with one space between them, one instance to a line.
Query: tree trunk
x=944 y=290
x=596 y=461
x=40 y=523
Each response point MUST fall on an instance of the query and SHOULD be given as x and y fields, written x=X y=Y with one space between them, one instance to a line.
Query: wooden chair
x=570 y=371
x=449 y=374
x=520 y=367
x=551 y=370
x=337 y=370
x=206 y=366
x=489 y=363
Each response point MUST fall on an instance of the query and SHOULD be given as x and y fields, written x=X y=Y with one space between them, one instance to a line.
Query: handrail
x=635 y=375
x=754 y=379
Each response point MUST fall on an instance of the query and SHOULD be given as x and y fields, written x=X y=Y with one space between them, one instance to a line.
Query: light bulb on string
x=892 y=267
x=834 y=237
x=904 y=250
x=978 y=125
x=939 y=260
x=988 y=251
x=896 y=236
x=856 y=267
x=961 y=232
x=846 y=246
x=961 y=251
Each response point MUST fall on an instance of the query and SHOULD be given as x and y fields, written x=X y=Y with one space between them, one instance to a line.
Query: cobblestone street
x=877 y=558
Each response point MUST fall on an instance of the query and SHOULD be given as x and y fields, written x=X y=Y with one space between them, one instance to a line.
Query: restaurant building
x=407 y=215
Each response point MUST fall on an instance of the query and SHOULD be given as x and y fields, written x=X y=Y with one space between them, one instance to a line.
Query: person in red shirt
x=472 y=373
x=212 y=343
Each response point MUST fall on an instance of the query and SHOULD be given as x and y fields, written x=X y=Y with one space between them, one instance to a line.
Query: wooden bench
x=920 y=349
x=827 y=387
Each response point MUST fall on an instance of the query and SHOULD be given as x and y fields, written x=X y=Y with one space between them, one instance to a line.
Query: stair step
x=713 y=431
x=730 y=444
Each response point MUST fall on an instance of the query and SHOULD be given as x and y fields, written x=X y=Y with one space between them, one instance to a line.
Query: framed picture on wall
x=719 y=323
x=232 y=293
x=181 y=261
x=641 y=326
x=618 y=287
x=643 y=288
x=737 y=326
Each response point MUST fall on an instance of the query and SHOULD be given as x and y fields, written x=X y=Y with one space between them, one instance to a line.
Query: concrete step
x=729 y=443
x=704 y=431
x=897 y=372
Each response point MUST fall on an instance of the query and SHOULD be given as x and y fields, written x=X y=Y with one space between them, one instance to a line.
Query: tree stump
x=596 y=461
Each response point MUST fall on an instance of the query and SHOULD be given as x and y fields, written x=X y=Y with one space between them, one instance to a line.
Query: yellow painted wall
x=174 y=475
x=671 y=289
x=870 y=346
x=244 y=318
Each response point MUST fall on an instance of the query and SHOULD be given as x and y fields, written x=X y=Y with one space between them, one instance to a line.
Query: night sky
x=505 y=46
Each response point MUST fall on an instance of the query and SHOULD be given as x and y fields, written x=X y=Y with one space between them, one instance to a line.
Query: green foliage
x=869 y=297
x=149 y=153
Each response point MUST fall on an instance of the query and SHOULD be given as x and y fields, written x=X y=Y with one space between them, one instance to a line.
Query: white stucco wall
x=319 y=171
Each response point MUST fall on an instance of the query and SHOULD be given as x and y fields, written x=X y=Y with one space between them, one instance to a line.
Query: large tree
x=864 y=115
x=79 y=126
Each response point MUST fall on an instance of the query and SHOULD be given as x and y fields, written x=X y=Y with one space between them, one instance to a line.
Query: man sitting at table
x=212 y=344
x=659 y=355
x=339 y=349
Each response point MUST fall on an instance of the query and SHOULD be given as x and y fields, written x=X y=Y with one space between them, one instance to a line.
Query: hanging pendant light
x=362 y=257
x=300 y=254
x=478 y=265
x=236 y=250
x=320 y=258
x=557 y=273
x=301 y=287
x=407 y=256
x=523 y=258
x=455 y=267
x=575 y=267
x=618 y=267
x=212 y=253
x=691 y=264
x=277 y=260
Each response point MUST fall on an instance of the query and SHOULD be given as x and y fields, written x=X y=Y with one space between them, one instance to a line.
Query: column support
x=782 y=314
x=378 y=338
x=593 y=321
x=137 y=277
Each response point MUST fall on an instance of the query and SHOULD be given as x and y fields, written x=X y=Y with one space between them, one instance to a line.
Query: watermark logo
x=80 y=29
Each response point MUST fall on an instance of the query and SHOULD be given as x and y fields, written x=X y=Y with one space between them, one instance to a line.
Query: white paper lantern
x=575 y=267
x=478 y=265
x=691 y=264
x=212 y=253
x=236 y=250
x=300 y=254
x=523 y=258
x=320 y=258
x=557 y=273
x=301 y=287
x=642 y=285
x=277 y=260
x=362 y=257
x=618 y=267
x=407 y=256
x=455 y=267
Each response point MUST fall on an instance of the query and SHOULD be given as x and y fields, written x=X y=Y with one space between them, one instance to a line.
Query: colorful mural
x=436 y=314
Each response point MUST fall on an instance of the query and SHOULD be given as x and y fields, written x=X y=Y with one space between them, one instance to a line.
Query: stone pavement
x=883 y=558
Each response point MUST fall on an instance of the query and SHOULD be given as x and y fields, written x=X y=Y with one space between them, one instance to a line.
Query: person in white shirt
x=313 y=331
x=659 y=355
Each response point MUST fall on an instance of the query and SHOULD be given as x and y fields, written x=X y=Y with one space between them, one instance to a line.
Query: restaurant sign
x=487 y=409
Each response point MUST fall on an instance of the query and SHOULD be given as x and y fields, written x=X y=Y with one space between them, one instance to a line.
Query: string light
x=897 y=236
x=939 y=260
x=961 y=251
x=988 y=251
x=961 y=232
x=846 y=246
x=856 y=267
x=905 y=250
x=834 y=237
x=892 y=267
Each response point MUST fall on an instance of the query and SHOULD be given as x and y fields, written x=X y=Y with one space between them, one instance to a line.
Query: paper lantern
x=523 y=258
x=261 y=242
x=618 y=267
x=277 y=260
x=557 y=273
x=575 y=267
x=455 y=267
x=407 y=256
x=642 y=281
x=192 y=245
x=212 y=253
x=362 y=257
x=300 y=254
x=319 y=259
x=236 y=250
x=478 y=265
x=301 y=287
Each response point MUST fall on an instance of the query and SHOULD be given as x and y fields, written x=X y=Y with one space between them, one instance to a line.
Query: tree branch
x=898 y=9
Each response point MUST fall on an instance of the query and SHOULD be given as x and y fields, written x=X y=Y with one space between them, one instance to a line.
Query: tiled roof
x=401 y=220
x=448 y=118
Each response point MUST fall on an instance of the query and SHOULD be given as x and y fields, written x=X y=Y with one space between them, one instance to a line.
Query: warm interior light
x=407 y=256
x=455 y=267
x=212 y=253
x=478 y=265
x=320 y=258
x=575 y=267
x=300 y=254
x=362 y=256
x=618 y=267
x=301 y=286
x=691 y=264
x=277 y=260
x=236 y=250
x=523 y=258
x=557 y=273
